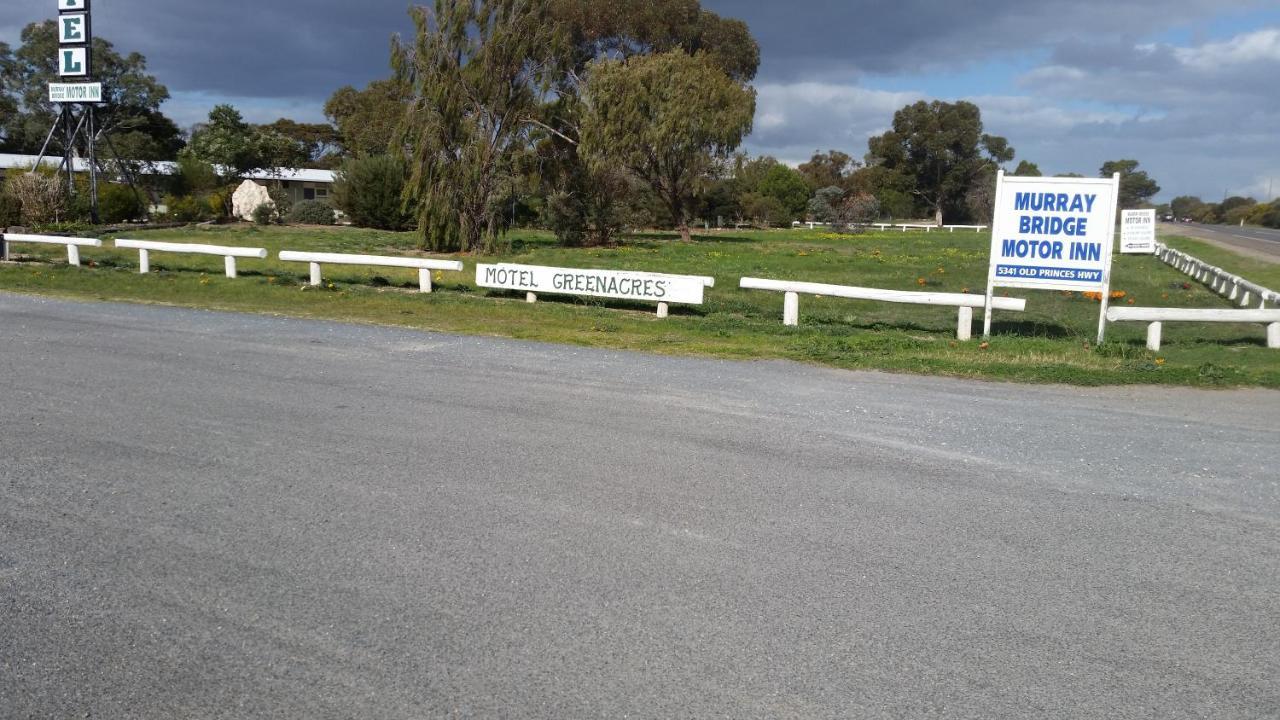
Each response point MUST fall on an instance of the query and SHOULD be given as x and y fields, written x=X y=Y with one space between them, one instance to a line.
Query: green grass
x=1051 y=342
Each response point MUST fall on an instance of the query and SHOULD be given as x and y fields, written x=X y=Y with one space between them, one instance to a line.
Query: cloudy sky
x=1188 y=87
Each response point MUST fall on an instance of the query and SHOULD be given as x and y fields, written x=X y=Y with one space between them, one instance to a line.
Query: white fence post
x=424 y=280
x=316 y=278
x=1153 y=336
x=964 y=326
x=1273 y=335
x=144 y=262
x=73 y=255
x=664 y=310
x=530 y=297
x=229 y=263
x=791 y=309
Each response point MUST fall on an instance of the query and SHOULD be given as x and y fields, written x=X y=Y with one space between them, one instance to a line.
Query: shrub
x=187 y=208
x=369 y=191
x=10 y=211
x=119 y=203
x=264 y=214
x=311 y=212
x=40 y=197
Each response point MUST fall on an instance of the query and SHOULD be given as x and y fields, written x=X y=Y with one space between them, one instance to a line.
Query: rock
x=247 y=198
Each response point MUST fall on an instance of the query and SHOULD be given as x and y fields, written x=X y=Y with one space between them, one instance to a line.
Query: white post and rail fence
x=1229 y=285
x=1156 y=317
x=228 y=253
x=966 y=303
x=73 y=244
x=424 y=266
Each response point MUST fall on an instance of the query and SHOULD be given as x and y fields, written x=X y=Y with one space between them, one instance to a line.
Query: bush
x=264 y=214
x=187 y=208
x=119 y=203
x=369 y=191
x=40 y=197
x=311 y=212
x=10 y=211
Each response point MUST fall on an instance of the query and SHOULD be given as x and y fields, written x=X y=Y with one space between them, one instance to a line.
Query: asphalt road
x=1262 y=243
x=209 y=515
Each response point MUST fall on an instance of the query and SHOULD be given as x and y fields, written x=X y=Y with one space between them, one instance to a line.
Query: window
x=308 y=193
x=322 y=193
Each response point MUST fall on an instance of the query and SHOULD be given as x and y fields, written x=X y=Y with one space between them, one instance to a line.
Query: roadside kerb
x=73 y=244
x=229 y=254
x=1157 y=316
x=966 y=303
x=424 y=266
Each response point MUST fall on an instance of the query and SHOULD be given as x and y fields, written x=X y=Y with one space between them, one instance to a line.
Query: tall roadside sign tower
x=76 y=89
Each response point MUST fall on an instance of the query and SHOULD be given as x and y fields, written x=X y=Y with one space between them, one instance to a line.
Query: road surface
x=1261 y=243
x=209 y=515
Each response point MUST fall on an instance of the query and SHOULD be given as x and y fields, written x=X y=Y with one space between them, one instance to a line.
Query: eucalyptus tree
x=477 y=71
x=667 y=118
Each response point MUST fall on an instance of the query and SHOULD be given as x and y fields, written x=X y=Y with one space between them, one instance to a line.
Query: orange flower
x=921 y=281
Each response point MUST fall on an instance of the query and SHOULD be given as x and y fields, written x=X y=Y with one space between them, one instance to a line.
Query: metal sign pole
x=996 y=227
x=1109 y=248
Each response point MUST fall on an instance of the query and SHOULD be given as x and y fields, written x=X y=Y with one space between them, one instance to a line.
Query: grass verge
x=1051 y=342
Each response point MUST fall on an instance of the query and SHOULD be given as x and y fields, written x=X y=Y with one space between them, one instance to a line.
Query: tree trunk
x=939 y=216
x=685 y=235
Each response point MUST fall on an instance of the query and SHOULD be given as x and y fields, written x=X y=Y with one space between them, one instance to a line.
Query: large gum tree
x=668 y=118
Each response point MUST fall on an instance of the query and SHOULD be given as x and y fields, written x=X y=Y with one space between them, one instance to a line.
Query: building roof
x=164 y=167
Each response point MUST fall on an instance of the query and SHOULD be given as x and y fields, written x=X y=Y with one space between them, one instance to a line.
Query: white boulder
x=247 y=198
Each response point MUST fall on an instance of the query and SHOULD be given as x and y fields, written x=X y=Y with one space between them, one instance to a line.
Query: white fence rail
x=1228 y=285
x=975 y=228
x=73 y=244
x=229 y=254
x=1157 y=316
x=424 y=266
x=966 y=303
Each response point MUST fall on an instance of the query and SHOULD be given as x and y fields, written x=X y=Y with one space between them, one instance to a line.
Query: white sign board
x=73 y=62
x=619 y=284
x=71 y=28
x=75 y=92
x=1138 y=232
x=64 y=5
x=1053 y=233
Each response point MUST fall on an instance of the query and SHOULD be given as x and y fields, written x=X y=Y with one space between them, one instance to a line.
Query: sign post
x=1138 y=232
x=75 y=63
x=1053 y=234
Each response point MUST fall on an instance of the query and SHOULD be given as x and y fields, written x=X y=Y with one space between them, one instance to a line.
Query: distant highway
x=1258 y=242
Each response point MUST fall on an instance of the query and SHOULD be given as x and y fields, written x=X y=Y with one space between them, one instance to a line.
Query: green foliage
x=366 y=120
x=119 y=203
x=764 y=211
x=830 y=169
x=789 y=188
x=10 y=210
x=302 y=144
x=940 y=150
x=1026 y=168
x=478 y=68
x=311 y=212
x=369 y=190
x=187 y=208
x=264 y=214
x=667 y=119
x=1136 y=187
x=822 y=208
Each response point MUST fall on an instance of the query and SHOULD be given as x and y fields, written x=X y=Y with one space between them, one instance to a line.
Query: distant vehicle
x=1167 y=218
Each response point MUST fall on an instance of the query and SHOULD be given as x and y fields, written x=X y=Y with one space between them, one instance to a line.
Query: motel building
x=298 y=183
